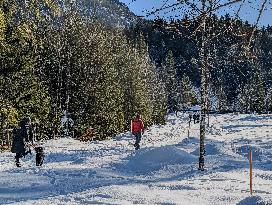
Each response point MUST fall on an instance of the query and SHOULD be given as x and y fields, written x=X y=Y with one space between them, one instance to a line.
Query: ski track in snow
x=163 y=171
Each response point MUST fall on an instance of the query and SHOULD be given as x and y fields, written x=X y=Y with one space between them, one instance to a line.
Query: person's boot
x=17 y=162
x=137 y=147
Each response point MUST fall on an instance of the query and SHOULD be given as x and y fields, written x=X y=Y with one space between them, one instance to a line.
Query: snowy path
x=163 y=171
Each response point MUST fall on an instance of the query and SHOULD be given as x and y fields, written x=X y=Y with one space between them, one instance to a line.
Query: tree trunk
x=203 y=93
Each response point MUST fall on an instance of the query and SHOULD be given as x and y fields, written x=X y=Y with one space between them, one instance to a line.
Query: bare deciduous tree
x=201 y=10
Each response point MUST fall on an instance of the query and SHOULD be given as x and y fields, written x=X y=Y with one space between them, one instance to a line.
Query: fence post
x=250 y=171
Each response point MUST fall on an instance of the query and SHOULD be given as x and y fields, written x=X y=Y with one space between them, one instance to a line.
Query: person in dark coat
x=194 y=117
x=21 y=136
x=190 y=117
x=197 y=117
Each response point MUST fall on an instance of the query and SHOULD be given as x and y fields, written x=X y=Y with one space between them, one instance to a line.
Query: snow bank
x=211 y=149
x=163 y=171
x=149 y=160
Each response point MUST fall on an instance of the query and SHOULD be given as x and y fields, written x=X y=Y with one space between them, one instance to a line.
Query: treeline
x=239 y=79
x=56 y=60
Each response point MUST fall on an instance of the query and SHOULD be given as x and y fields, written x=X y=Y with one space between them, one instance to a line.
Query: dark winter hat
x=24 y=122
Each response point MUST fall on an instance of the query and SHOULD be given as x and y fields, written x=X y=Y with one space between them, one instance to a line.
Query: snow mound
x=211 y=149
x=155 y=159
x=252 y=200
x=258 y=154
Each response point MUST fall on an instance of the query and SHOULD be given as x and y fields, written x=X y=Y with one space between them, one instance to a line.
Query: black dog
x=39 y=155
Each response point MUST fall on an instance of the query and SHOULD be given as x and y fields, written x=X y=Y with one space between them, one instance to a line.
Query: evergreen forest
x=61 y=59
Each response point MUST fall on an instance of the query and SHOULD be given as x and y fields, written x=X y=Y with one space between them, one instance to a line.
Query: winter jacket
x=137 y=126
x=18 y=143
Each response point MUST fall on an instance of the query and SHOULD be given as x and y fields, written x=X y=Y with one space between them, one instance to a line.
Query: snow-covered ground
x=163 y=171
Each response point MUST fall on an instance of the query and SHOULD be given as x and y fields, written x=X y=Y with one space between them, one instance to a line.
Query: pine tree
x=252 y=95
x=188 y=94
x=170 y=79
x=20 y=86
x=105 y=78
x=157 y=97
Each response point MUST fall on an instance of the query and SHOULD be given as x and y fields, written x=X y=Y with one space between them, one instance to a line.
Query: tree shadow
x=252 y=200
x=244 y=126
x=256 y=118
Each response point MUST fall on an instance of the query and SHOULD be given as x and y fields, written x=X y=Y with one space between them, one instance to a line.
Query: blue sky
x=248 y=12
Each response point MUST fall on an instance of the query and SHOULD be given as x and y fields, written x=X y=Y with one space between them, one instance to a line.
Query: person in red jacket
x=137 y=129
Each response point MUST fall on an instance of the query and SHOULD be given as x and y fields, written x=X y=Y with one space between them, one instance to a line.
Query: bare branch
x=180 y=2
x=256 y=24
x=240 y=7
x=162 y=8
x=224 y=5
x=236 y=15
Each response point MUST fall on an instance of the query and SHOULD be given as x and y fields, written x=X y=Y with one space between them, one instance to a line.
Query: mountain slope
x=111 y=12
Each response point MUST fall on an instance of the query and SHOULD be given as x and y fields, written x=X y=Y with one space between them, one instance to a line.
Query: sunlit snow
x=163 y=171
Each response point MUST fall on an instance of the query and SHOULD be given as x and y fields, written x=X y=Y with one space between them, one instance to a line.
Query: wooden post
x=250 y=171
x=188 y=132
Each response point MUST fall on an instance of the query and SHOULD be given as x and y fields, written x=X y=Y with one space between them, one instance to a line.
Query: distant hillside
x=111 y=12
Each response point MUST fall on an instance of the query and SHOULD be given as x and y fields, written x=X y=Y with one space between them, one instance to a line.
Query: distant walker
x=137 y=129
